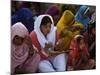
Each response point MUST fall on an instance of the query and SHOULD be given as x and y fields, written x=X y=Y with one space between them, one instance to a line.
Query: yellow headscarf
x=66 y=35
x=79 y=25
x=64 y=27
x=66 y=20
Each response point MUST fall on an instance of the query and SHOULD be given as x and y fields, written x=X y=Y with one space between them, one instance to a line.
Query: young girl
x=23 y=55
x=44 y=37
x=79 y=58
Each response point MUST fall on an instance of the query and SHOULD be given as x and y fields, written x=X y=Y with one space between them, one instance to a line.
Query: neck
x=45 y=36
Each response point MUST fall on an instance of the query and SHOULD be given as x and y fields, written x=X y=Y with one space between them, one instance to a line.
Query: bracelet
x=49 y=49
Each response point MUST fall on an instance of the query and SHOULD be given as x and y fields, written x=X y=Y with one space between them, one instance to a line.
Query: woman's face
x=18 y=40
x=45 y=29
x=81 y=44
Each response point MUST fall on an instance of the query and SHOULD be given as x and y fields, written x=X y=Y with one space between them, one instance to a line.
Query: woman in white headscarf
x=44 y=37
x=23 y=55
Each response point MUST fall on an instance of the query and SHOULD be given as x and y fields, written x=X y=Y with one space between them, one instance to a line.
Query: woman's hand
x=44 y=53
x=28 y=41
x=48 y=47
x=70 y=68
x=59 y=45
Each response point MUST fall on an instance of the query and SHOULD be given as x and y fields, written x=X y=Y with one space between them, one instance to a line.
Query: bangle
x=49 y=49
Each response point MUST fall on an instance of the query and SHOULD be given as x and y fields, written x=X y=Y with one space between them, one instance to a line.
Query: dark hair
x=79 y=39
x=45 y=20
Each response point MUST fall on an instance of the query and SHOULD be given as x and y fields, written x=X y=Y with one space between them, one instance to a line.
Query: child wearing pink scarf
x=24 y=58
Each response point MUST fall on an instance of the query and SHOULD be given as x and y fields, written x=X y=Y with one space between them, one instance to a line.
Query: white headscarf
x=51 y=37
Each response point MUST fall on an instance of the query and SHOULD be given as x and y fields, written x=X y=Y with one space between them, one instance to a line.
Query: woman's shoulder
x=33 y=36
x=33 y=33
x=35 y=40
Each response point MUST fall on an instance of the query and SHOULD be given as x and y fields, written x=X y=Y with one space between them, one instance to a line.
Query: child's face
x=18 y=40
x=45 y=29
x=81 y=44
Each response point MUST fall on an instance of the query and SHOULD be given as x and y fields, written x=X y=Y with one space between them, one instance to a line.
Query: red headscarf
x=74 y=53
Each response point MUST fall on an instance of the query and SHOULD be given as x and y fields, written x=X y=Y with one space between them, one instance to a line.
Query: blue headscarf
x=25 y=16
x=80 y=16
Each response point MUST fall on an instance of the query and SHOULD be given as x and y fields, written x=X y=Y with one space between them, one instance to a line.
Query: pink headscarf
x=18 y=53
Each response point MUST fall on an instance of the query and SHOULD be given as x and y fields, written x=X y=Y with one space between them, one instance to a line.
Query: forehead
x=81 y=40
x=17 y=36
x=47 y=25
